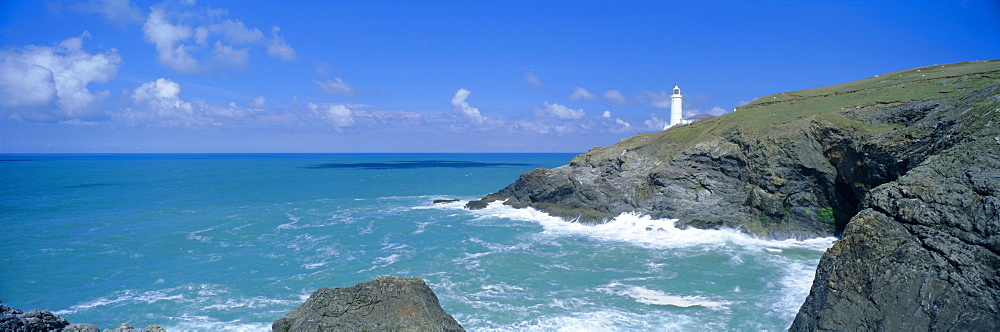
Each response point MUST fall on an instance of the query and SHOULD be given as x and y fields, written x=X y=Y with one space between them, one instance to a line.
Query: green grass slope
x=783 y=111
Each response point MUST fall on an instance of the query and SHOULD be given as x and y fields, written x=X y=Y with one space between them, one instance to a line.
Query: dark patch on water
x=413 y=164
x=91 y=185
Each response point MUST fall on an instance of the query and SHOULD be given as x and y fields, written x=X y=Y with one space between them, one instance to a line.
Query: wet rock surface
x=384 y=304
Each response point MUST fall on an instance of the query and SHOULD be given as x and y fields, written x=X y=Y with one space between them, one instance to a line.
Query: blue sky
x=434 y=76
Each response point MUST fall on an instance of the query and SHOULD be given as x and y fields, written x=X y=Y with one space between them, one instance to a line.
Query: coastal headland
x=903 y=167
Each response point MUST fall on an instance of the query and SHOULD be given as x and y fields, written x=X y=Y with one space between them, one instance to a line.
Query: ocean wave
x=294 y=224
x=200 y=238
x=655 y=297
x=441 y=206
x=188 y=322
x=645 y=231
x=594 y=320
x=384 y=261
x=797 y=281
x=257 y=302
x=148 y=297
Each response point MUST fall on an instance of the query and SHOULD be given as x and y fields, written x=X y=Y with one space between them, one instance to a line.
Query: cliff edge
x=903 y=166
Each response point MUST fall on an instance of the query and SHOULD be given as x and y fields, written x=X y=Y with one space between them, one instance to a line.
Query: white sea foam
x=645 y=231
x=655 y=297
x=796 y=282
x=131 y=296
x=195 y=235
x=387 y=260
x=498 y=290
x=594 y=320
x=257 y=302
x=294 y=224
x=188 y=322
x=421 y=226
x=471 y=260
x=383 y=262
x=441 y=206
x=311 y=266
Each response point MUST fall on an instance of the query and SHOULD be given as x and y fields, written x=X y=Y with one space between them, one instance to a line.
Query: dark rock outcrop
x=905 y=167
x=14 y=320
x=923 y=254
x=37 y=320
x=384 y=304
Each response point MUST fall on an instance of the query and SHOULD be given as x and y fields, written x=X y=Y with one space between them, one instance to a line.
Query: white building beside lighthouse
x=676 y=109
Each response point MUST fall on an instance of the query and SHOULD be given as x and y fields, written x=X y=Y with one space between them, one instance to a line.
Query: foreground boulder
x=384 y=304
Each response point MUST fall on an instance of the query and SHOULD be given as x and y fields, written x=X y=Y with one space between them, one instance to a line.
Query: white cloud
x=623 y=123
x=115 y=11
x=581 y=94
x=463 y=106
x=336 y=86
x=39 y=83
x=167 y=38
x=562 y=112
x=654 y=123
x=616 y=98
x=258 y=102
x=229 y=56
x=277 y=47
x=606 y=115
x=234 y=32
x=190 y=39
x=532 y=80
x=337 y=115
x=158 y=104
x=322 y=69
x=659 y=99
x=162 y=97
x=717 y=111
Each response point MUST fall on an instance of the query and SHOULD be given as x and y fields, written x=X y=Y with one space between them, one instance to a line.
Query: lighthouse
x=675 y=108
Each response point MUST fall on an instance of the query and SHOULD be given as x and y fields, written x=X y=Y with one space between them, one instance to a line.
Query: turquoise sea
x=232 y=242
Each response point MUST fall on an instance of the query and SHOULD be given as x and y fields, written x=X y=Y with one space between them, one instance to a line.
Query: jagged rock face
x=734 y=181
x=797 y=179
x=384 y=304
x=923 y=254
x=803 y=183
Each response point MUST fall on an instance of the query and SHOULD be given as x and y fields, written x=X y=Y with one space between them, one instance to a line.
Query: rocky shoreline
x=902 y=166
x=37 y=320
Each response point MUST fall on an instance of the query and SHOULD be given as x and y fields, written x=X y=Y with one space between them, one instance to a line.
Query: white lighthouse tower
x=675 y=108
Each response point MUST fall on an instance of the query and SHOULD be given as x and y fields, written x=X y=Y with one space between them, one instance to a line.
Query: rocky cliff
x=383 y=304
x=903 y=165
